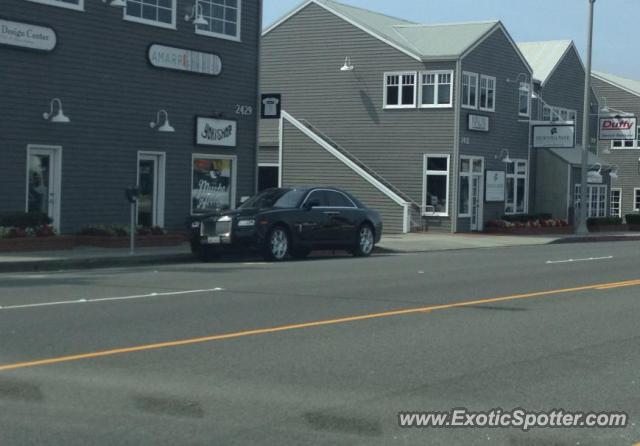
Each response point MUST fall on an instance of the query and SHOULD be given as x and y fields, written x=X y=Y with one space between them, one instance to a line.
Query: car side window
x=336 y=199
x=320 y=196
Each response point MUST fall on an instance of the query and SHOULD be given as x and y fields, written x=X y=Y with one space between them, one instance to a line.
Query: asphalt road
x=322 y=352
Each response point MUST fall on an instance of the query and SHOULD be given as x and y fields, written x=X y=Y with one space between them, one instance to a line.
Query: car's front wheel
x=365 y=241
x=278 y=244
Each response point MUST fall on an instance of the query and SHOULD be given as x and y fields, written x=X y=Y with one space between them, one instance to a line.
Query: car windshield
x=275 y=198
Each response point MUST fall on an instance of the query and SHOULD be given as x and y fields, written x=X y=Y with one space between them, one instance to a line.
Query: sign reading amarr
x=28 y=36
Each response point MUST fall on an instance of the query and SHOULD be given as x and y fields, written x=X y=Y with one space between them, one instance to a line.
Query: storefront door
x=151 y=186
x=43 y=181
x=476 y=202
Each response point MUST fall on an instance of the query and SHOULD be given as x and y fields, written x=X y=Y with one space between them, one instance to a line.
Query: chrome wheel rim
x=279 y=244
x=366 y=240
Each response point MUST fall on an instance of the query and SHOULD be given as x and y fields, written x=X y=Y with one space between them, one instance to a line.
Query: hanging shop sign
x=270 y=106
x=494 y=186
x=216 y=132
x=25 y=35
x=617 y=128
x=550 y=136
x=478 y=123
x=171 y=58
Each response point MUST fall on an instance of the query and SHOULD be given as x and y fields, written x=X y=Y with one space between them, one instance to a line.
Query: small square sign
x=270 y=106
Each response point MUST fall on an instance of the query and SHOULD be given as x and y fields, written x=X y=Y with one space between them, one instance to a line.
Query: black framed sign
x=216 y=132
x=554 y=136
x=270 y=106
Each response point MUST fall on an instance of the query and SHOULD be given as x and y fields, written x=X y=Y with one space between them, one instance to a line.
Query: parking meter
x=132 y=194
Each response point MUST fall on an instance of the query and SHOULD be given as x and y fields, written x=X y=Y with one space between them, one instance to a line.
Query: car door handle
x=331 y=213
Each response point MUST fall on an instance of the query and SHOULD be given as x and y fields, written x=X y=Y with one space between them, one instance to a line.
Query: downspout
x=455 y=174
x=258 y=104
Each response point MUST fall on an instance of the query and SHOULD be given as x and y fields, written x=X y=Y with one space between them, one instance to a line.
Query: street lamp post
x=581 y=227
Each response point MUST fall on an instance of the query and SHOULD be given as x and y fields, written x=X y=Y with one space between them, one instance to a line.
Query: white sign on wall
x=617 y=128
x=549 y=136
x=494 y=185
x=161 y=56
x=24 y=35
x=479 y=123
x=216 y=132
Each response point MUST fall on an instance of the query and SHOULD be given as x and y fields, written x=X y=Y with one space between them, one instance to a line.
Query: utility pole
x=581 y=226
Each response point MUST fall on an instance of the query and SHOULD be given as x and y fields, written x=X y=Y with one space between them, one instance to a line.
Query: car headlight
x=246 y=223
x=224 y=218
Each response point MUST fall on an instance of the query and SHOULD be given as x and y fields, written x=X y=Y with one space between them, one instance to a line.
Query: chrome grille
x=223 y=227
x=212 y=228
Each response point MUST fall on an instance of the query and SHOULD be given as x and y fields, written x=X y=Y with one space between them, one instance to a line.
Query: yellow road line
x=343 y=320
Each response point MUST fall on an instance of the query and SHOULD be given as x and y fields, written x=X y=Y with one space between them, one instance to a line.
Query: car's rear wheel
x=278 y=244
x=365 y=241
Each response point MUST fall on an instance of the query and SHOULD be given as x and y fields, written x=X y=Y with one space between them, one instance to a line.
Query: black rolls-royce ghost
x=285 y=222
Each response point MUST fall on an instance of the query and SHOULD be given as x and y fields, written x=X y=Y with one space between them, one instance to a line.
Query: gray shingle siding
x=305 y=163
x=268 y=155
x=628 y=161
x=100 y=71
x=302 y=58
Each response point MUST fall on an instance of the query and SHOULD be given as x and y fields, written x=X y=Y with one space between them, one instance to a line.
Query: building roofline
x=615 y=84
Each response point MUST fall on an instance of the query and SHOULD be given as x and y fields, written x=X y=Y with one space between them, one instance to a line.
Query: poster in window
x=212 y=183
x=495 y=183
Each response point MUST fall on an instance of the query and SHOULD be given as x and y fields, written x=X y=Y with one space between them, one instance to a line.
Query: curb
x=93 y=263
x=604 y=238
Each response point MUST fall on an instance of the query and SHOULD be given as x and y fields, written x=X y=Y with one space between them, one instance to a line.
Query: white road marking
x=590 y=259
x=108 y=299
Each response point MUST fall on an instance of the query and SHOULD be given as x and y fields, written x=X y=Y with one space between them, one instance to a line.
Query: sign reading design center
x=161 y=56
x=216 y=132
x=28 y=36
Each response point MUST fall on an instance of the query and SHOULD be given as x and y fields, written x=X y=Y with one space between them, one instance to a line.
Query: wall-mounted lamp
x=503 y=156
x=347 y=64
x=522 y=77
x=613 y=173
x=196 y=16
x=606 y=110
x=166 y=127
x=59 y=117
x=116 y=3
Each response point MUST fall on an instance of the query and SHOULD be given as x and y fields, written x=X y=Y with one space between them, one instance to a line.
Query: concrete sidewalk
x=89 y=258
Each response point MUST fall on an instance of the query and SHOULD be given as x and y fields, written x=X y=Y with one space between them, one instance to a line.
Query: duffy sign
x=617 y=128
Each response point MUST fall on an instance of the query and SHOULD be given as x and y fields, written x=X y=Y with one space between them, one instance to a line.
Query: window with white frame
x=469 y=90
x=596 y=200
x=152 y=12
x=213 y=183
x=223 y=18
x=487 y=93
x=627 y=144
x=636 y=201
x=436 y=88
x=551 y=113
x=78 y=5
x=615 y=208
x=516 y=187
x=524 y=99
x=400 y=90
x=436 y=185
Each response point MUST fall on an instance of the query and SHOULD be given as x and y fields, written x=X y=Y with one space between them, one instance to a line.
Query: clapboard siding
x=306 y=163
x=100 y=71
x=269 y=155
x=628 y=160
x=301 y=59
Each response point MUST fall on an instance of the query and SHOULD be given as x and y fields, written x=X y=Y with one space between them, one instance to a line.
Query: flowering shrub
x=119 y=230
x=540 y=223
x=46 y=230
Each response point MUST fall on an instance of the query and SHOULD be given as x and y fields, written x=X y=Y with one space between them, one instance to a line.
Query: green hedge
x=25 y=220
x=604 y=221
x=632 y=219
x=523 y=218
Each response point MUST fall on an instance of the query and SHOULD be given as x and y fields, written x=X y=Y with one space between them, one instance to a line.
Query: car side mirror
x=311 y=204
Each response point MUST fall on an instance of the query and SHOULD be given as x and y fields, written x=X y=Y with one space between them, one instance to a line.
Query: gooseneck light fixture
x=347 y=64
x=196 y=16
x=166 y=127
x=116 y=3
x=59 y=117
x=503 y=156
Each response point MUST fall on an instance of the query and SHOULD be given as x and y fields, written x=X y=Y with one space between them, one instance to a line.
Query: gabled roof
x=544 y=57
x=630 y=85
x=421 y=42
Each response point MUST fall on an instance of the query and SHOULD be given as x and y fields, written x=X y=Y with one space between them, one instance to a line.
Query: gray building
x=98 y=97
x=619 y=96
x=428 y=123
x=558 y=99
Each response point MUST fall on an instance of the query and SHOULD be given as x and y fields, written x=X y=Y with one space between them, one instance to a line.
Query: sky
x=615 y=22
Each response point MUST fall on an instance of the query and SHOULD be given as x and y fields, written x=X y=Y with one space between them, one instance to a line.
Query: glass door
x=43 y=182
x=150 y=184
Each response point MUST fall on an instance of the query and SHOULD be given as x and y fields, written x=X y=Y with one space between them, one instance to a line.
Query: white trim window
x=516 y=187
x=597 y=196
x=435 y=192
x=400 y=90
x=77 y=5
x=223 y=19
x=436 y=89
x=487 y=93
x=213 y=179
x=627 y=144
x=469 y=90
x=160 y=13
x=615 y=206
x=524 y=99
x=636 y=199
x=551 y=113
